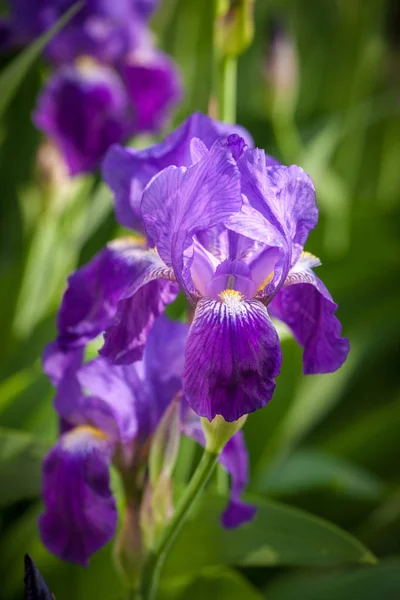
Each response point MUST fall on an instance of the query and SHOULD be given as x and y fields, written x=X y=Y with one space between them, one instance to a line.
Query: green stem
x=150 y=577
x=227 y=89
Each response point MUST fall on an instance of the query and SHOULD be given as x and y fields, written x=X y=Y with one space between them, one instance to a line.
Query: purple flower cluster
x=110 y=82
x=225 y=224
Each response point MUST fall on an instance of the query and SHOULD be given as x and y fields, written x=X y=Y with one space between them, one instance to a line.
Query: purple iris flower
x=230 y=229
x=87 y=108
x=104 y=29
x=108 y=414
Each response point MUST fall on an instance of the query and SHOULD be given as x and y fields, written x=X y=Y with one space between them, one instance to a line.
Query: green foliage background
x=327 y=446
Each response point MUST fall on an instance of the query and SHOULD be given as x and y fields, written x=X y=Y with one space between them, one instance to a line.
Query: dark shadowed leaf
x=279 y=535
x=376 y=582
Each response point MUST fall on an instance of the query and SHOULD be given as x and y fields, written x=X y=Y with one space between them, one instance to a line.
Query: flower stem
x=150 y=576
x=227 y=89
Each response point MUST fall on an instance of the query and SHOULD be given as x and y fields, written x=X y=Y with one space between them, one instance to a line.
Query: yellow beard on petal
x=231 y=297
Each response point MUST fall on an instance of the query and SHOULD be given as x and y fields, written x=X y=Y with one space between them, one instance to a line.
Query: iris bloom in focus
x=230 y=229
x=226 y=224
x=108 y=414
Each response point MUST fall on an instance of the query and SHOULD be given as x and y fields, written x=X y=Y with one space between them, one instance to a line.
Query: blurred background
x=319 y=87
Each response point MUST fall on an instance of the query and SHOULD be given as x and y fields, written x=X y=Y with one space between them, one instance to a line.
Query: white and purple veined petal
x=232 y=357
x=80 y=512
x=306 y=306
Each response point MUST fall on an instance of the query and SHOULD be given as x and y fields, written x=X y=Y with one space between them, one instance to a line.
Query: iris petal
x=306 y=306
x=179 y=202
x=147 y=296
x=90 y=302
x=232 y=357
x=127 y=171
x=80 y=513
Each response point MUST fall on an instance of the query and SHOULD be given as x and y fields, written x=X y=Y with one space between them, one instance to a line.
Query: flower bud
x=234 y=26
x=165 y=444
x=218 y=432
x=128 y=549
x=156 y=508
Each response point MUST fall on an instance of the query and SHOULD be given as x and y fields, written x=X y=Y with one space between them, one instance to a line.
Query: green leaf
x=21 y=457
x=14 y=73
x=222 y=584
x=310 y=469
x=279 y=535
x=376 y=582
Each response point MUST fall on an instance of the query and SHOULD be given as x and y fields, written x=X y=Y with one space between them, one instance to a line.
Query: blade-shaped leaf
x=14 y=73
x=279 y=535
x=376 y=582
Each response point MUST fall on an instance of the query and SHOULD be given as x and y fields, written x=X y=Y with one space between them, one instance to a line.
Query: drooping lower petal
x=127 y=171
x=146 y=298
x=232 y=357
x=234 y=460
x=90 y=302
x=306 y=306
x=80 y=512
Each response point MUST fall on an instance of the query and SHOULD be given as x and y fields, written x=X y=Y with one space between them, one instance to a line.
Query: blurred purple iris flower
x=106 y=30
x=229 y=226
x=110 y=411
x=110 y=83
x=86 y=108
x=108 y=414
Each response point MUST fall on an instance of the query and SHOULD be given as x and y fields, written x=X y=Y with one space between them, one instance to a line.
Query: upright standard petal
x=80 y=513
x=285 y=196
x=306 y=306
x=153 y=86
x=128 y=171
x=232 y=357
x=90 y=303
x=151 y=290
x=234 y=460
x=179 y=202
x=84 y=111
